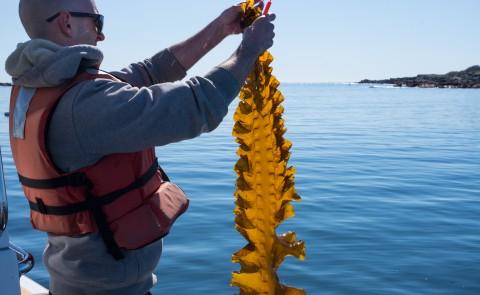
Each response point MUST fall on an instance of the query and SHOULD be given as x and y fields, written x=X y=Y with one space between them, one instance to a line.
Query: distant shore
x=5 y=84
x=469 y=78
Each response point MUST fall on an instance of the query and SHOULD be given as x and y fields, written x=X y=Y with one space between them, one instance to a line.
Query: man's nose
x=100 y=37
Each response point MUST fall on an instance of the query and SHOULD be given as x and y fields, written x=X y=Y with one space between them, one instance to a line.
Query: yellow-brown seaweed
x=265 y=185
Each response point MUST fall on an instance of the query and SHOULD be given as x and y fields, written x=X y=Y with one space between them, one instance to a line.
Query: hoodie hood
x=42 y=63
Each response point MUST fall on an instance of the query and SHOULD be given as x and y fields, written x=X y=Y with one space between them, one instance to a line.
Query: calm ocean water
x=390 y=180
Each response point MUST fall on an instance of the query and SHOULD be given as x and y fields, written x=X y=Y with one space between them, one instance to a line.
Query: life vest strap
x=138 y=183
x=105 y=232
x=75 y=179
x=40 y=206
x=94 y=201
x=164 y=175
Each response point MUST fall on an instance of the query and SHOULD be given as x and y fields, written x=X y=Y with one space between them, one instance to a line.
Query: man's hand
x=229 y=20
x=191 y=50
x=258 y=37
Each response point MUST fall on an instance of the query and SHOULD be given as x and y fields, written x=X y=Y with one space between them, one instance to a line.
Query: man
x=98 y=116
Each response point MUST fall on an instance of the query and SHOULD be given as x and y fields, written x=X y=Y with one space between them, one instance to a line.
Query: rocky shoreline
x=469 y=78
x=5 y=84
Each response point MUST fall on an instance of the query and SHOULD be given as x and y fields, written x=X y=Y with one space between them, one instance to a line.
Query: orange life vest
x=126 y=197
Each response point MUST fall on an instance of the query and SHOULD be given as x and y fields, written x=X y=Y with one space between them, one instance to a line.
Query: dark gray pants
x=80 y=266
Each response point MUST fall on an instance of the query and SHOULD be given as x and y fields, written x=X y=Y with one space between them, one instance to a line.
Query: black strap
x=39 y=206
x=138 y=183
x=105 y=232
x=95 y=201
x=76 y=179
x=164 y=175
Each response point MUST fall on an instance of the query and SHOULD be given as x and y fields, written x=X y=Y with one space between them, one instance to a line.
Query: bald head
x=33 y=14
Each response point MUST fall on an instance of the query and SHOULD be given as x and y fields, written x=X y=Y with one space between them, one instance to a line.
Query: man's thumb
x=271 y=17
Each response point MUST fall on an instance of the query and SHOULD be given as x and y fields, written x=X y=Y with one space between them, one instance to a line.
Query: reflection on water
x=389 y=181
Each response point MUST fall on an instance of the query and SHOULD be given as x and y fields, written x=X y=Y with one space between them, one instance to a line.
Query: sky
x=316 y=40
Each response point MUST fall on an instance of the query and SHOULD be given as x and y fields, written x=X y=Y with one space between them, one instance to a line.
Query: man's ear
x=64 y=23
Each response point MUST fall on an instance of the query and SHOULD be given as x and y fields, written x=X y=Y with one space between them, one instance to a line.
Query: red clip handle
x=267 y=7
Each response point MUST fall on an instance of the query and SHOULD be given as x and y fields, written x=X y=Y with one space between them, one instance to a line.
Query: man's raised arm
x=190 y=51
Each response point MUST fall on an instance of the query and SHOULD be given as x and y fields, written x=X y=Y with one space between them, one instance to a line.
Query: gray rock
x=469 y=78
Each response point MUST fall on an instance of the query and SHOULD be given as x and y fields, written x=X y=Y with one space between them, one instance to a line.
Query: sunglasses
x=97 y=18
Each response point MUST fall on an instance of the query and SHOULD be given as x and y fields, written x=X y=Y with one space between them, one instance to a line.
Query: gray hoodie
x=101 y=117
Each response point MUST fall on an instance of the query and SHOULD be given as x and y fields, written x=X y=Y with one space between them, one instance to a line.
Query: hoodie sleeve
x=101 y=117
x=162 y=67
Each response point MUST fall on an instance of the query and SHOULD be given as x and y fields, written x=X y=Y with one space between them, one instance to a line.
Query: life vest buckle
x=41 y=206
